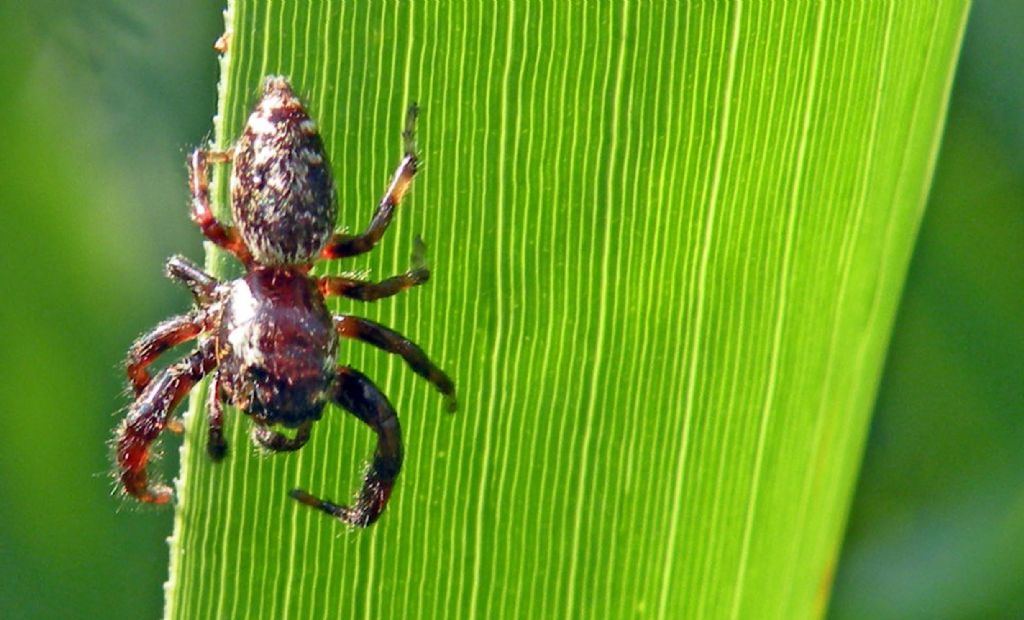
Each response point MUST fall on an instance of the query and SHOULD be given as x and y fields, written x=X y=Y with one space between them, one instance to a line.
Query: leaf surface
x=667 y=242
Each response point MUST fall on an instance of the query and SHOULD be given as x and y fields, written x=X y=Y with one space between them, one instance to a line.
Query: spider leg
x=216 y=445
x=276 y=442
x=148 y=416
x=391 y=341
x=372 y=291
x=150 y=346
x=201 y=284
x=357 y=394
x=223 y=235
x=343 y=245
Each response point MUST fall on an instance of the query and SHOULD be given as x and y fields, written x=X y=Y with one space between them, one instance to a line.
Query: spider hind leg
x=362 y=290
x=224 y=235
x=344 y=245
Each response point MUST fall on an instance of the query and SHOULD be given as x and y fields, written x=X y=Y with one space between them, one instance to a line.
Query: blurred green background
x=102 y=99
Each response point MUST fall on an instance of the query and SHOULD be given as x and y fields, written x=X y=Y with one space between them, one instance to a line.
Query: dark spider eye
x=256 y=373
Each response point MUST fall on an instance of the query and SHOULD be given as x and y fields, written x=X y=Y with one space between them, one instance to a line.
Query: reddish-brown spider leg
x=276 y=442
x=148 y=417
x=372 y=291
x=391 y=341
x=341 y=245
x=150 y=346
x=202 y=284
x=216 y=445
x=357 y=394
x=223 y=235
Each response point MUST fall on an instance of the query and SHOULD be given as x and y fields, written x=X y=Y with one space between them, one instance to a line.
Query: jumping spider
x=267 y=337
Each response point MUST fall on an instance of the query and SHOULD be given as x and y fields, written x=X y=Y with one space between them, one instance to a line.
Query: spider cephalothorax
x=267 y=337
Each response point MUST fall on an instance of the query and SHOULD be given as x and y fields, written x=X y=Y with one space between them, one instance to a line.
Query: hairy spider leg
x=276 y=442
x=224 y=235
x=216 y=445
x=391 y=341
x=148 y=417
x=357 y=394
x=343 y=245
x=202 y=284
x=372 y=291
x=153 y=344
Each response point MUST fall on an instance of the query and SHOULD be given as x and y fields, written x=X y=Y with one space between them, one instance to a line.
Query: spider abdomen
x=277 y=347
x=282 y=197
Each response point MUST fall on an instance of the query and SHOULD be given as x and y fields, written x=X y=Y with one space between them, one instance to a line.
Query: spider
x=267 y=337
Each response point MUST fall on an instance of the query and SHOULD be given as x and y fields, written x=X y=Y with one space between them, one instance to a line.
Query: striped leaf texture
x=668 y=241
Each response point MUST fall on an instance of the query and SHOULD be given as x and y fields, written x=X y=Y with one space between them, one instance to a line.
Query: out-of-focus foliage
x=102 y=98
x=99 y=100
x=937 y=529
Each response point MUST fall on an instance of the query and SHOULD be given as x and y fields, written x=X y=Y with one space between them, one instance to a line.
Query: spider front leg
x=223 y=235
x=342 y=246
x=150 y=346
x=276 y=442
x=372 y=291
x=148 y=417
x=357 y=394
x=391 y=341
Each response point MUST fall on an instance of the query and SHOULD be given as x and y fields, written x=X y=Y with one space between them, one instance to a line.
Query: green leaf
x=667 y=244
